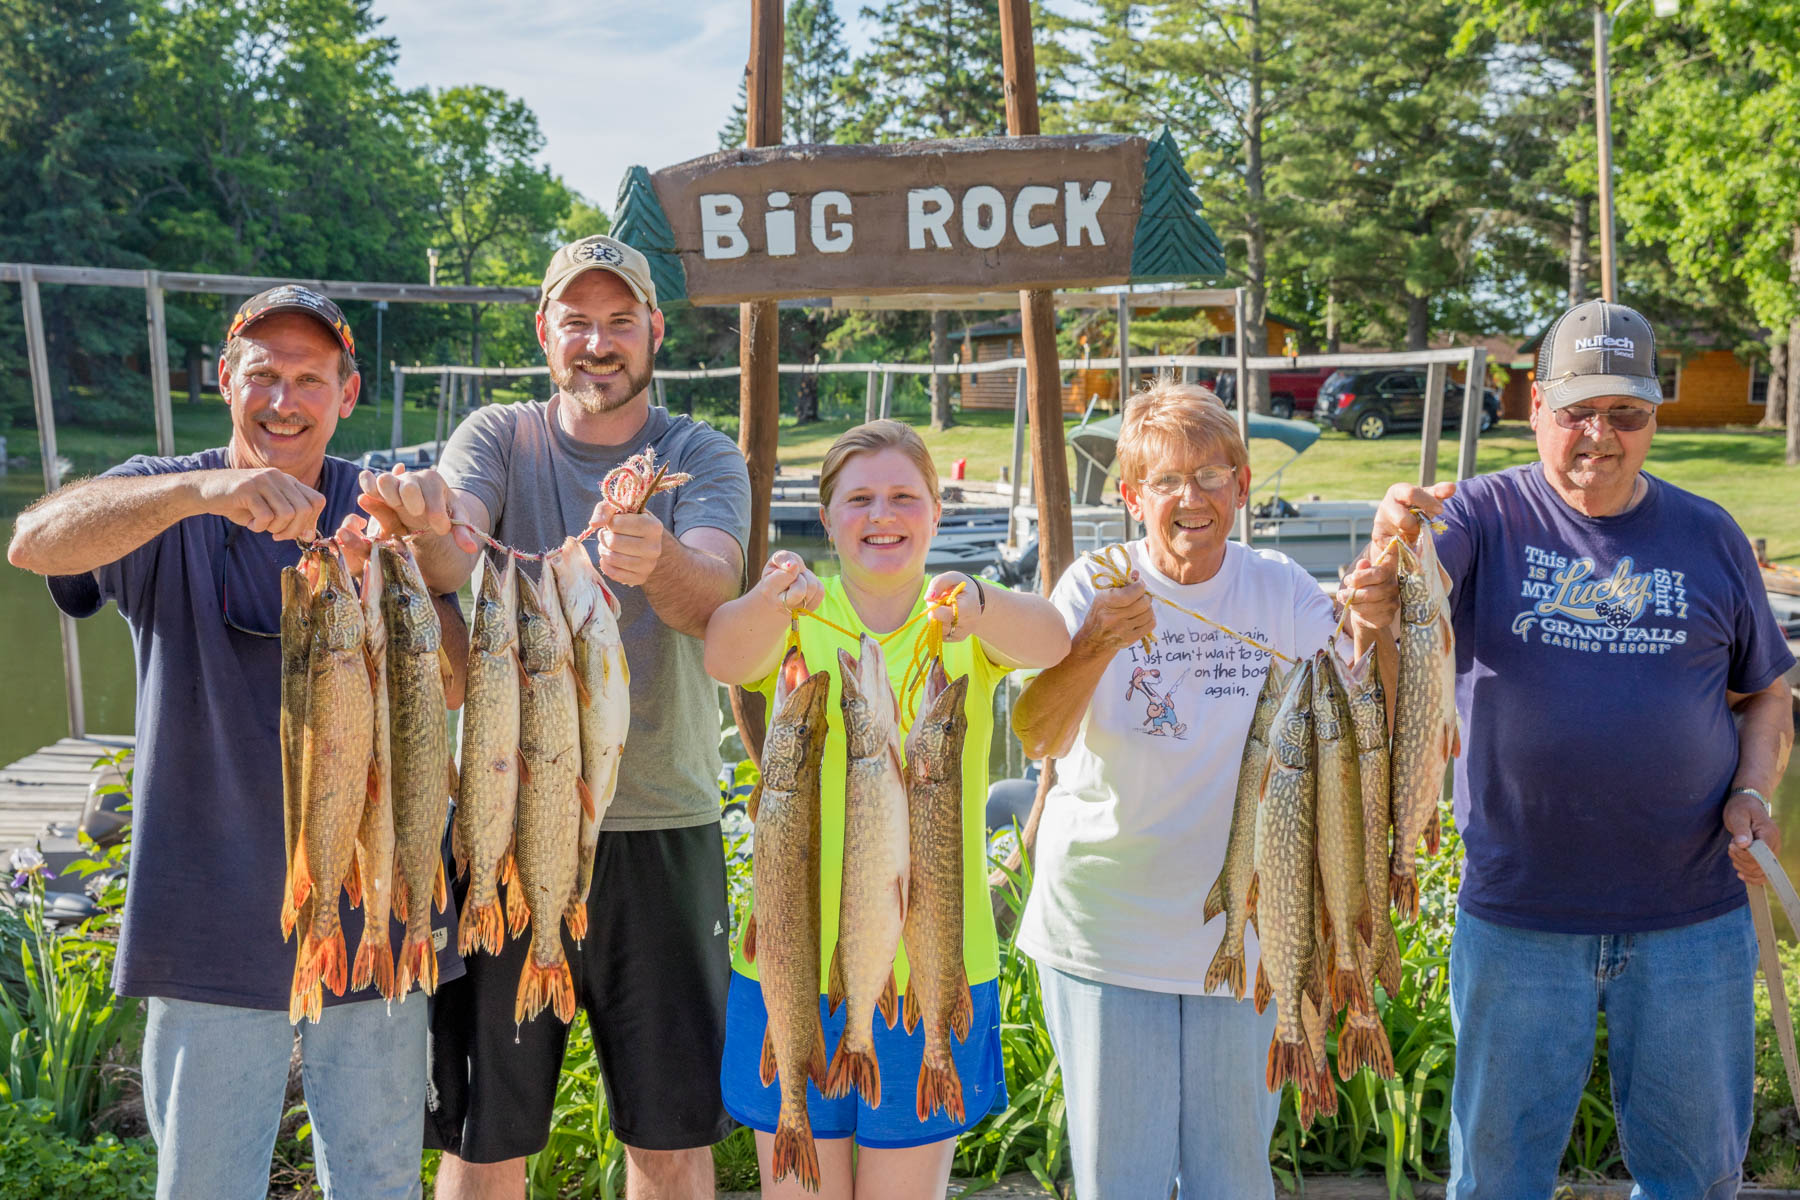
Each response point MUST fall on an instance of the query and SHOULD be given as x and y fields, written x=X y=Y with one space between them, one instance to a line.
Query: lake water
x=33 y=714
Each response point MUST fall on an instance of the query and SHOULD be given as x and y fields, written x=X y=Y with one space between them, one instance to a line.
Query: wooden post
x=38 y=357
x=887 y=393
x=662 y=400
x=1243 y=395
x=1431 y=418
x=1021 y=400
x=759 y=382
x=159 y=365
x=1474 y=400
x=1124 y=339
x=869 y=399
x=399 y=406
x=1609 y=265
x=443 y=399
x=1049 y=455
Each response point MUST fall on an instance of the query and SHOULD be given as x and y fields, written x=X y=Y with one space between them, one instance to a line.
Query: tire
x=1371 y=425
x=1283 y=407
x=1488 y=419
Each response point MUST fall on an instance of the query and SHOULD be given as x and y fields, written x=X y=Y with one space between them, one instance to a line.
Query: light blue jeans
x=215 y=1077
x=1680 y=1027
x=1161 y=1087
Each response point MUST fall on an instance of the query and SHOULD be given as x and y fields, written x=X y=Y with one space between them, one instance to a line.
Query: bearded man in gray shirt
x=653 y=971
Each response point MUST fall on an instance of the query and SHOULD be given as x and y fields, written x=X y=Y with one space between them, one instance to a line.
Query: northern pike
x=1345 y=898
x=603 y=690
x=1231 y=890
x=877 y=864
x=1425 y=732
x=336 y=752
x=487 y=796
x=1285 y=887
x=547 y=827
x=1368 y=715
x=296 y=647
x=937 y=991
x=375 y=835
x=782 y=934
x=421 y=766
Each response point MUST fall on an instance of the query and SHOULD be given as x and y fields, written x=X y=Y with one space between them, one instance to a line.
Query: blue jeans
x=1680 y=1022
x=1161 y=1086
x=215 y=1078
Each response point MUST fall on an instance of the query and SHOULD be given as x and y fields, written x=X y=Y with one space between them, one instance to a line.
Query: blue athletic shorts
x=893 y=1126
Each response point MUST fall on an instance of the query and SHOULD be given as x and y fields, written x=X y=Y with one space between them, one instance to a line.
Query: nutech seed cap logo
x=1601 y=341
x=600 y=252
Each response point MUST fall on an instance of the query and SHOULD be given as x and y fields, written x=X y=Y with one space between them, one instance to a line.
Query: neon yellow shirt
x=819 y=646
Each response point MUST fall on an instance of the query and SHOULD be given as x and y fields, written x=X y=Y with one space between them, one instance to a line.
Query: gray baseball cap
x=1598 y=349
x=598 y=253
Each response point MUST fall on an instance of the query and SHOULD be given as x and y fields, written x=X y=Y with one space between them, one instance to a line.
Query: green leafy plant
x=38 y=1162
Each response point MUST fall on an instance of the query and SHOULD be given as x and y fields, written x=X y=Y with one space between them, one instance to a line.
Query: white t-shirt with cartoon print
x=1134 y=832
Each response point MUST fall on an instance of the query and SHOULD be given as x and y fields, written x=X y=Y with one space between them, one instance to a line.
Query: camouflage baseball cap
x=598 y=253
x=290 y=297
x=1598 y=349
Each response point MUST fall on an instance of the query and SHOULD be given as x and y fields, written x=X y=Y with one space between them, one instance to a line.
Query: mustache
x=273 y=419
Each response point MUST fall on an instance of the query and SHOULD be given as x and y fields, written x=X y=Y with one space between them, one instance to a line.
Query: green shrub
x=38 y=1163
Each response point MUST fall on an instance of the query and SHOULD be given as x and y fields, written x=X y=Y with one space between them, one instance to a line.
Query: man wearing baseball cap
x=191 y=549
x=1624 y=719
x=653 y=971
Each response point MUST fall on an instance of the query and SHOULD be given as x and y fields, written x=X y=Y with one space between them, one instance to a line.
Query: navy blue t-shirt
x=208 y=861
x=1593 y=656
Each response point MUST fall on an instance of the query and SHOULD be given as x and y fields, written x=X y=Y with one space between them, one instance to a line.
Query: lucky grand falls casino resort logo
x=1577 y=606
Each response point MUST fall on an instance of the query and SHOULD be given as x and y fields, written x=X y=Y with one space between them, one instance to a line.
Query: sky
x=646 y=83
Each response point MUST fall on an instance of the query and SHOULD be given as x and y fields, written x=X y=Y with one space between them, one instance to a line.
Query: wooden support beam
x=1123 y=318
x=159 y=365
x=1241 y=351
x=759 y=384
x=249 y=285
x=1431 y=423
x=399 y=407
x=1474 y=389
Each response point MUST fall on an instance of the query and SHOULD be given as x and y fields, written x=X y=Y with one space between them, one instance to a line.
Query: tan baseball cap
x=598 y=253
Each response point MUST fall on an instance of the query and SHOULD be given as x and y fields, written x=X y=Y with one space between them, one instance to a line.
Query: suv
x=1290 y=392
x=1367 y=404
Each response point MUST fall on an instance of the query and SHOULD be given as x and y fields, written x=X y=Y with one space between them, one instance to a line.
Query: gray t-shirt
x=540 y=485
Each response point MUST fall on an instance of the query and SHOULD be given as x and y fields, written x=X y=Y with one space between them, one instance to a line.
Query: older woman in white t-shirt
x=1162 y=1079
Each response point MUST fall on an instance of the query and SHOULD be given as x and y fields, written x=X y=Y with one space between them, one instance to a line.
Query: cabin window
x=1668 y=375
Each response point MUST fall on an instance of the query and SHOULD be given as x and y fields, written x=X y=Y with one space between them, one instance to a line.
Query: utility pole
x=1609 y=263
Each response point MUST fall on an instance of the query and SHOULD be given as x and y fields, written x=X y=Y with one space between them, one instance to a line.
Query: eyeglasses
x=1173 y=483
x=1625 y=420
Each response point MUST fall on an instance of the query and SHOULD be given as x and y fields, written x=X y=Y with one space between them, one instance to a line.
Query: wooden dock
x=50 y=786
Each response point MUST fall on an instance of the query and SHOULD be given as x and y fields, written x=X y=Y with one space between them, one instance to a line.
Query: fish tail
x=1364 y=1043
x=1322 y=1092
x=1405 y=891
x=417 y=964
x=544 y=985
x=1289 y=1062
x=940 y=1087
x=330 y=962
x=483 y=928
x=306 y=982
x=854 y=1068
x=795 y=1153
x=1228 y=969
x=374 y=961
x=1348 y=988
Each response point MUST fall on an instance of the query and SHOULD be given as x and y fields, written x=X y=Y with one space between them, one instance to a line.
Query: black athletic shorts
x=653 y=974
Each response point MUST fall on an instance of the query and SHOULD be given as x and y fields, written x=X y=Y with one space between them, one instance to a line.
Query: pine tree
x=815 y=61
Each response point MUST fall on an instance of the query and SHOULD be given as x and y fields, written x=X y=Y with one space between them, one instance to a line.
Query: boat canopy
x=1096 y=445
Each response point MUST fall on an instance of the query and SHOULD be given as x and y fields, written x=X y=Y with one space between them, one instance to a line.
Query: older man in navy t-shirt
x=1619 y=680
x=191 y=549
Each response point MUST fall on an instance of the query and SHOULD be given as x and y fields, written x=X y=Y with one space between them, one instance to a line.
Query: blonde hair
x=872 y=438
x=1165 y=415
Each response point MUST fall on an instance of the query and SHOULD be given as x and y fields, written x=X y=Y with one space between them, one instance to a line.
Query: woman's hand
x=788 y=584
x=1118 y=617
x=960 y=617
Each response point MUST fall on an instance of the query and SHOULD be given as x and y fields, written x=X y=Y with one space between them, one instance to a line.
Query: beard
x=597 y=397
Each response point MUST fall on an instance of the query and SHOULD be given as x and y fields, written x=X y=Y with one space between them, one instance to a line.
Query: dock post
x=39 y=361
x=1431 y=423
x=1020 y=406
x=159 y=365
x=1473 y=404
x=1243 y=396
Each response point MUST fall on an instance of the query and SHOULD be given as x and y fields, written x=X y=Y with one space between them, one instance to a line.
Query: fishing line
x=1114 y=571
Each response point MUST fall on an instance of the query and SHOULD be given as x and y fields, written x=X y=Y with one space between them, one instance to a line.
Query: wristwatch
x=1750 y=791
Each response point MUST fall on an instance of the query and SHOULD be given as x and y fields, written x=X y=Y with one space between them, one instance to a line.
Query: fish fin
x=835 y=989
x=518 y=916
x=440 y=892
x=524 y=771
x=1314 y=1022
x=331 y=962
x=754 y=802
x=1365 y=926
x=1350 y=990
x=1227 y=969
x=766 y=1069
x=1387 y=957
x=459 y=850
x=455 y=784
x=818 y=1066
x=857 y=1069
x=373 y=666
x=794 y=1153
x=583 y=697
x=301 y=881
x=402 y=898
x=1405 y=891
x=575 y=916
x=750 y=947
x=940 y=1088
x=888 y=1005
x=1250 y=898
x=353 y=877
x=1264 y=993
x=962 y=1008
x=1432 y=833
x=1215 y=899
x=909 y=1009
x=1363 y=1043
x=446 y=672
x=374 y=962
x=1287 y=1063
x=544 y=986
x=587 y=797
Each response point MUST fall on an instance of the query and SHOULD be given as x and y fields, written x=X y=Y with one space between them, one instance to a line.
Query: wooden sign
x=981 y=214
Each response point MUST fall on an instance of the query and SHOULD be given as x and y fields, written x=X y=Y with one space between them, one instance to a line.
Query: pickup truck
x=1290 y=392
